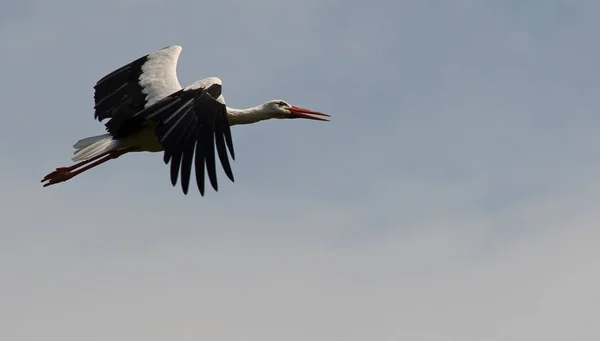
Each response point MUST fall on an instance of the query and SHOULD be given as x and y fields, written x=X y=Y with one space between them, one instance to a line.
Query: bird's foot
x=61 y=174
x=56 y=172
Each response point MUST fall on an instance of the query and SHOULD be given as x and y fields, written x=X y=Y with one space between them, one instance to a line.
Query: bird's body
x=149 y=111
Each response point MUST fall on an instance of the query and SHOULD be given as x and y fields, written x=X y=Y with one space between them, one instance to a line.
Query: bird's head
x=281 y=109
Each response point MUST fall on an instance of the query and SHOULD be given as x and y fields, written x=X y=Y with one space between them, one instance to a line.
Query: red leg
x=62 y=174
x=73 y=167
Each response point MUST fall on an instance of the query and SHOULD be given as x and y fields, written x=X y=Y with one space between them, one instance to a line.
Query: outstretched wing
x=190 y=124
x=135 y=86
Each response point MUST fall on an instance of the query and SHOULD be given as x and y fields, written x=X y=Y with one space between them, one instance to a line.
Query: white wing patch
x=205 y=83
x=159 y=74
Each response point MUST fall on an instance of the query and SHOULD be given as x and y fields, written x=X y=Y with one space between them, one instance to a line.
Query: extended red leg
x=62 y=174
x=73 y=167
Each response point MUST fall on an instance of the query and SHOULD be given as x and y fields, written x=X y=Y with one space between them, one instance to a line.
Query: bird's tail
x=92 y=146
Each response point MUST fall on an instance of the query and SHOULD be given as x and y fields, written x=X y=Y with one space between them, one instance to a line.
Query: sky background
x=453 y=196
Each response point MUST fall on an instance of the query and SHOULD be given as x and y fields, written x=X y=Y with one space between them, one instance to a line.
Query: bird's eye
x=282 y=104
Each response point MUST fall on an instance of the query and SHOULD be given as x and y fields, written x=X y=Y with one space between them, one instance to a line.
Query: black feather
x=199 y=163
x=119 y=96
x=191 y=124
x=175 y=163
x=222 y=125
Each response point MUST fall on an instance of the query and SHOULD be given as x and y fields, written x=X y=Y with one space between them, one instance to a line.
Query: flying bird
x=149 y=111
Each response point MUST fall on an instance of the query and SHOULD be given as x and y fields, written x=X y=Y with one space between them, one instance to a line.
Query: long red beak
x=298 y=112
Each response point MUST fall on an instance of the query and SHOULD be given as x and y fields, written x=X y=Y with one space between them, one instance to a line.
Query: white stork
x=150 y=111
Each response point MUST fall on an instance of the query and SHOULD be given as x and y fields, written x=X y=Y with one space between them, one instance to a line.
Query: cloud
x=442 y=279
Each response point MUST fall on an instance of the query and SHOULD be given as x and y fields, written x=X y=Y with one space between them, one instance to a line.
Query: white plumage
x=93 y=146
x=159 y=74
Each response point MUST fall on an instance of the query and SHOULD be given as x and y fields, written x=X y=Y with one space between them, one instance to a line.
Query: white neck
x=247 y=116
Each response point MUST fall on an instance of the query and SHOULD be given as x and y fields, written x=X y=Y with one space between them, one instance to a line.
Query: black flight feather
x=191 y=124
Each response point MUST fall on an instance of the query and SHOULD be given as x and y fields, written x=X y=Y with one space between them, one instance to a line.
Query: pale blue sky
x=452 y=197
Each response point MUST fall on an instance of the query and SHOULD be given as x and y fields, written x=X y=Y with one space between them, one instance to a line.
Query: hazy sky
x=454 y=195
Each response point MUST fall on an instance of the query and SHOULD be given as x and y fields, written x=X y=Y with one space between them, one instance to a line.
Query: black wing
x=127 y=90
x=120 y=92
x=190 y=124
